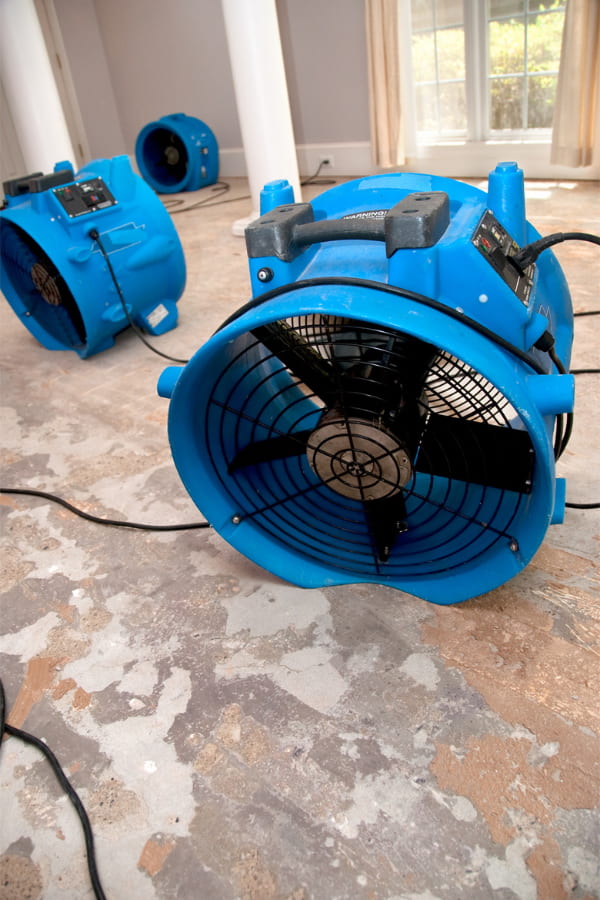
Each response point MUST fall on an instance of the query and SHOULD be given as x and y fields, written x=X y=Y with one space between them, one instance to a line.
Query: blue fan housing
x=177 y=153
x=53 y=273
x=378 y=412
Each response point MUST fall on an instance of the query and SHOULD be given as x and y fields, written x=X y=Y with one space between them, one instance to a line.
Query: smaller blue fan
x=177 y=153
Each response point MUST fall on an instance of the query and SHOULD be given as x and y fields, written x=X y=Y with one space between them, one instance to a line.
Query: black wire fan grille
x=366 y=450
x=40 y=287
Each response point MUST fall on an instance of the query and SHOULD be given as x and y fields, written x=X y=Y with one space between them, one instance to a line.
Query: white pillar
x=262 y=97
x=30 y=88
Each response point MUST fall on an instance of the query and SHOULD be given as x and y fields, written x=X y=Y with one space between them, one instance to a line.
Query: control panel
x=496 y=244
x=84 y=197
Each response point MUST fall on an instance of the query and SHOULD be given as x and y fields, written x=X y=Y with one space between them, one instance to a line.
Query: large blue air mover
x=57 y=232
x=177 y=153
x=379 y=412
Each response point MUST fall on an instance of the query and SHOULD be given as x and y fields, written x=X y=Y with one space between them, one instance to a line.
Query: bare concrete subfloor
x=235 y=737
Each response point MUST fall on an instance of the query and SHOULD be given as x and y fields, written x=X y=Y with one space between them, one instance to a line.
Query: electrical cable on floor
x=218 y=188
x=173 y=205
x=115 y=523
x=65 y=784
x=95 y=236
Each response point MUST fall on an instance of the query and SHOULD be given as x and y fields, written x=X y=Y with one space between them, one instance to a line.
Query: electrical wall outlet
x=326 y=160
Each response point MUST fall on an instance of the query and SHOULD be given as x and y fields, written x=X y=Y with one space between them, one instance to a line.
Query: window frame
x=482 y=148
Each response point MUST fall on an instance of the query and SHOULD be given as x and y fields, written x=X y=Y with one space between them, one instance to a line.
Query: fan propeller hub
x=172 y=155
x=358 y=458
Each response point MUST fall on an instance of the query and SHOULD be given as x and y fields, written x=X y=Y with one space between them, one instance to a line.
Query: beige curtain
x=384 y=82
x=576 y=126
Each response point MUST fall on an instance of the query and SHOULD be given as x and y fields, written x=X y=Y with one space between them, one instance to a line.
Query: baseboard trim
x=453 y=161
x=346 y=159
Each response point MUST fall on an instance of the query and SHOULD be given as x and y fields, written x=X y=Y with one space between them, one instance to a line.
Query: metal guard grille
x=451 y=521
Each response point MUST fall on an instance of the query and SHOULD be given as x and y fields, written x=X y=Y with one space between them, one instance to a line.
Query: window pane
x=423 y=54
x=422 y=14
x=426 y=107
x=507 y=47
x=453 y=108
x=544 y=39
x=506 y=8
x=506 y=103
x=448 y=13
x=540 y=107
x=451 y=53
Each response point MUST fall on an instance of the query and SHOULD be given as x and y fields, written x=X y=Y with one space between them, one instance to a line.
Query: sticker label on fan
x=367 y=214
x=159 y=313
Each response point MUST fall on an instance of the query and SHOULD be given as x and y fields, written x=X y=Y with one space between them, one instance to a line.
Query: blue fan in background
x=177 y=153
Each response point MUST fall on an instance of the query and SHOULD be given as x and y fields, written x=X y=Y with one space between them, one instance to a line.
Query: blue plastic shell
x=136 y=232
x=177 y=153
x=463 y=538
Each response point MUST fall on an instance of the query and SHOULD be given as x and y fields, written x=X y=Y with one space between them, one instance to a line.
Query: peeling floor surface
x=235 y=737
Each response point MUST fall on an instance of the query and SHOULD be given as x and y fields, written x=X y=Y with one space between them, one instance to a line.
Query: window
x=483 y=69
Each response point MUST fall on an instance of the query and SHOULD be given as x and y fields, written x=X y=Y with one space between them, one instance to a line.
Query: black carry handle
x=36 y=182
x=418 y=220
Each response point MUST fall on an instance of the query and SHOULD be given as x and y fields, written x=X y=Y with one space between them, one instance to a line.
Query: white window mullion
x=525 y=108
x=476 y=68
x=407 y=81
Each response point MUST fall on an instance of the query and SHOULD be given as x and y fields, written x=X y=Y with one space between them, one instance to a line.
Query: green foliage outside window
x=522 y=71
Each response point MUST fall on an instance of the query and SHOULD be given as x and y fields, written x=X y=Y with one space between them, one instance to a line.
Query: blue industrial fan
x=380 y=412
x=61 y=233
x=177 y=153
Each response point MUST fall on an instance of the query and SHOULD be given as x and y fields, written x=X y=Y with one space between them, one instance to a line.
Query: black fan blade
x=279 y=447
x=477 y=452
x=299 y=357
x=386 y=519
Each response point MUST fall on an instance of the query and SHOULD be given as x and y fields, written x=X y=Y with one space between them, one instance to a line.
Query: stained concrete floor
x=235 y=737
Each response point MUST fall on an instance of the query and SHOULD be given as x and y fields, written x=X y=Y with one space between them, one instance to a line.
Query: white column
x=30 y=88
x=262 y=98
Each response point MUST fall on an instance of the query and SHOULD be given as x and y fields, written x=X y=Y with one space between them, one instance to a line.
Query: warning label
x=367 y=214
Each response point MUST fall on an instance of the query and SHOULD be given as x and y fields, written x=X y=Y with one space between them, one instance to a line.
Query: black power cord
x=95 y=236
x=528 y=254
x=342 y=281
x=525 y=257
x=65 y=784
x=116 y=523
x=223 y=187
x=174 y=205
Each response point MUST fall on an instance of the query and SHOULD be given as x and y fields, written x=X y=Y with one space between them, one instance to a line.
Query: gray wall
x=325 y=53
x=136 y=60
